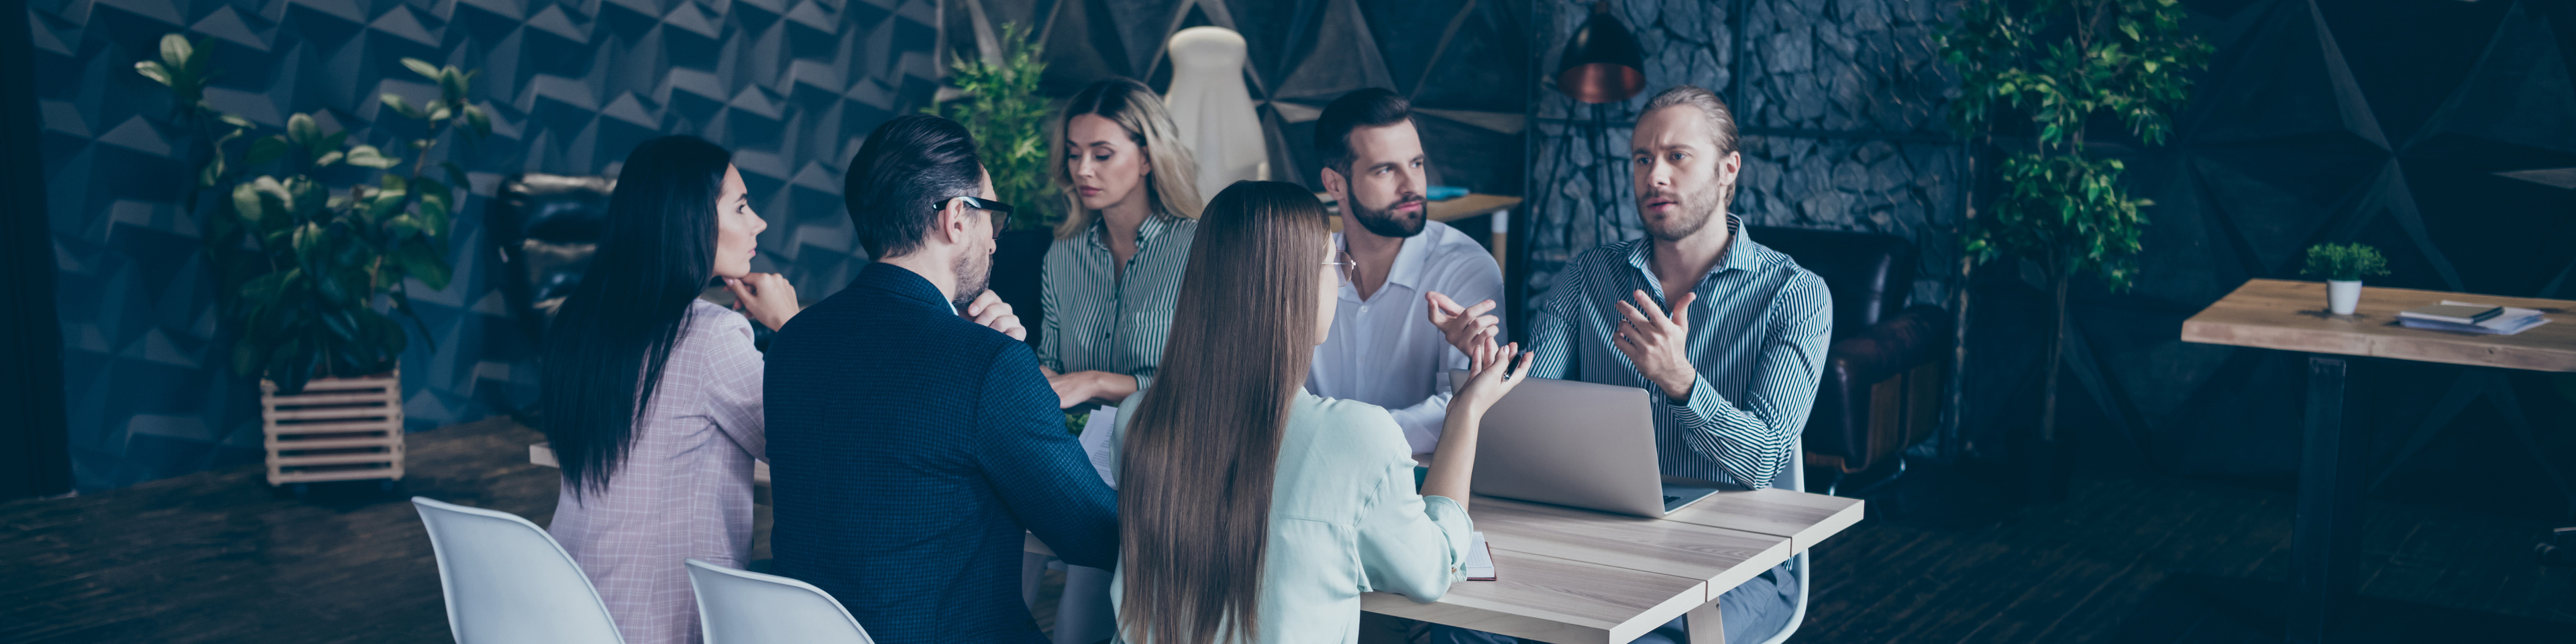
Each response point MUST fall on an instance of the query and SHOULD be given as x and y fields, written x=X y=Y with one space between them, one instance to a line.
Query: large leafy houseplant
x=998 y=102
x=2034 y=77
x=314 y=254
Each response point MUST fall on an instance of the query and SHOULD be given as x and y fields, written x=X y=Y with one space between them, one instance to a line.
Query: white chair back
x=744 y=607
x=508 y=582
x=1796 y=476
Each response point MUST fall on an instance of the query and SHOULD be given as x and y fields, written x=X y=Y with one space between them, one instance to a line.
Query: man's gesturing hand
x=990 y=311
x=1658 y=344
x=1469 y=329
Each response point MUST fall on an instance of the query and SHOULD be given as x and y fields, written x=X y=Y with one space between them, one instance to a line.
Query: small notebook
x=2509 y=322
x=1480 y=558
x=2452 y=313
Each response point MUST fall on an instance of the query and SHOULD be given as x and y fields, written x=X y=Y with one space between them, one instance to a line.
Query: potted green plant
x=998 y=102
x=2343 y=266
x=312 y=261
x=2034 y=75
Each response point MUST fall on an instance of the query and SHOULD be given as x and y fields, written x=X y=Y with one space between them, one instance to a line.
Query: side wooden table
x=2290 y=316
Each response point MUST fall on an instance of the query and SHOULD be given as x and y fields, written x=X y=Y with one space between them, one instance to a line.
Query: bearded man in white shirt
x=1383 y=349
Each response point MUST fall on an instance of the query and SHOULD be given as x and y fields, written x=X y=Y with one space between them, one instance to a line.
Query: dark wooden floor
x=212 y=557
x=2167 y=560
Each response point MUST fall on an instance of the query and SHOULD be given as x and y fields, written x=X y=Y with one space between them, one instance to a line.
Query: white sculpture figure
x=1213 y=109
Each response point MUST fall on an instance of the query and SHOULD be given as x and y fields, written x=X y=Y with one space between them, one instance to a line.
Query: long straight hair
x=1203 y=450
x=1171 y=189
x=605 y=351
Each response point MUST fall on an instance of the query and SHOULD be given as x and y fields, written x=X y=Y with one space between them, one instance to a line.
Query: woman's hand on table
x=1085 y=386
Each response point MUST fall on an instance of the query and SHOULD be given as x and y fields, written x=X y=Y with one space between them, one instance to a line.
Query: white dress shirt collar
x=1410 y=256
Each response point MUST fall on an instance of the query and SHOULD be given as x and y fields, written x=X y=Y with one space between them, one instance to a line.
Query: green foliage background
x=2033 y=76
x=2056 y=66
x=2346 y=262
x=1001 y=106
x=299 y=261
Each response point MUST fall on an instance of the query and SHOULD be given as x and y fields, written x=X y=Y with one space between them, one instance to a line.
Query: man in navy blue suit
x=911 y=435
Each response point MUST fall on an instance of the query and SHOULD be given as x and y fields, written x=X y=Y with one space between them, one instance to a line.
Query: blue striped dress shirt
x=1758 y=333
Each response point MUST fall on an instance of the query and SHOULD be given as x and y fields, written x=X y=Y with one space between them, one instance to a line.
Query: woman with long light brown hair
x=1110 y=278
x=1250 y=510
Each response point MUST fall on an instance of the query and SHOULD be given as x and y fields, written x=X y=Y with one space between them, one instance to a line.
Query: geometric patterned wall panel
x=1839 y=105
x=1461 y=62
x=788 y=85
x=2383 y=122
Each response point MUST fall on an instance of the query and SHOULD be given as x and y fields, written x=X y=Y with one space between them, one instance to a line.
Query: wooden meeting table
x=2290 y=316
x=1572 y=576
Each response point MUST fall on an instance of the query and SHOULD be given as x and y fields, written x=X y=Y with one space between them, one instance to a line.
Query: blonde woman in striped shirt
x=1116 y=264
x=1112 y=276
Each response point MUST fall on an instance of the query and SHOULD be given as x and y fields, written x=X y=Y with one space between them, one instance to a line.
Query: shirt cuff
x=1455 y=527
x=1704 y=404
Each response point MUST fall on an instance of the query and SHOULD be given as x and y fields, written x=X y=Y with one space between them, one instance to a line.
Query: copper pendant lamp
x=1602 y=63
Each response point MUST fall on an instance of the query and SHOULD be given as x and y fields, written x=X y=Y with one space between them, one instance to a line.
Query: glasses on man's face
x=1345 y=266
x=1001 y=211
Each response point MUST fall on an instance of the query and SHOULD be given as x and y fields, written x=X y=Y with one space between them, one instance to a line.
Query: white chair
x=744 y=607
x=507 y=581
x=1795 y=478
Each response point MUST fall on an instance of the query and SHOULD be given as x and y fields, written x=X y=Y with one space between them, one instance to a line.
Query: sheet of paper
x=1480 y=558
x=1096 y=444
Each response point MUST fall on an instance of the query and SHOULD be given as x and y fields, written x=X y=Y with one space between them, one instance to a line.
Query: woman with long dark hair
x=652 y=396
x=1250 y=510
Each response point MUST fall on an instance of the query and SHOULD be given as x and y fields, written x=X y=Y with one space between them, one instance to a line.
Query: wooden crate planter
x=339 y=429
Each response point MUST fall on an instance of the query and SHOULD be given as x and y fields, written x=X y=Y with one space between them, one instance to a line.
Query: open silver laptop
x=1576 y=444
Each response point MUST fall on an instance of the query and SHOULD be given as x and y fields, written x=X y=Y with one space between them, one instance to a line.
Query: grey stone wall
x=1840 y=104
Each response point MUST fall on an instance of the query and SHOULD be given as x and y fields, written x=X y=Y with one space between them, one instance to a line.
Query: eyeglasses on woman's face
x=1001 y=211
x=1345 y=266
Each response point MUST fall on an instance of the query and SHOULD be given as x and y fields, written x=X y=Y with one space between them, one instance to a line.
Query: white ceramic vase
x=2343 y=295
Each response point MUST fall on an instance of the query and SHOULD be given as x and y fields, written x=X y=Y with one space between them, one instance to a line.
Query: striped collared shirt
x=1758 y=333
x=1098 y=319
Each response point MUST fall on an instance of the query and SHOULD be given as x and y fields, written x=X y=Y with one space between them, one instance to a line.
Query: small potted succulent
x=2343 y=266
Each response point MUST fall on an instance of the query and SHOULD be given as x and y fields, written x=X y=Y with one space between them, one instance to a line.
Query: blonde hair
x=1721 y=121
x=1171 y=186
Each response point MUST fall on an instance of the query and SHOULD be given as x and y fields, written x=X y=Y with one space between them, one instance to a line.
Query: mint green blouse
x=1344 y=520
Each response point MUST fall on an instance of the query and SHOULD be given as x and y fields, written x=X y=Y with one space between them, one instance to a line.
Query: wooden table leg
x=2329 y=498
x=1705 y=625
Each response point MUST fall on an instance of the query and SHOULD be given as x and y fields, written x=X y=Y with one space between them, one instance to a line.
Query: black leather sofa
x=1881 y=391
x=545 y=228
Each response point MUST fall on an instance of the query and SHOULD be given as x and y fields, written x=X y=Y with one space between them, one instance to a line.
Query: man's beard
x=1691 y=212
x=1386 y=223
x=974 y=273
